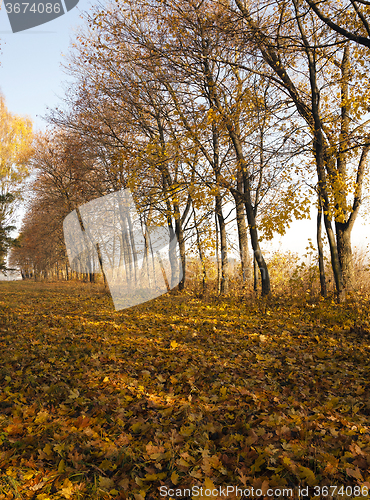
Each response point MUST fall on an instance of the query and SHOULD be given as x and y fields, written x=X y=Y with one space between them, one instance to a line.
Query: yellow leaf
x=174 y=478
x=307 y=475
x=155 y=477
x=106 y=483
x=59 y=448
x=106 y=465
x=182 y=462
x=67 y=490
x=136 y=427
x=74 y=393
x=41 y=417
x=10 y=472
x=208 y=485
x=256 y=467
x=139 y=481
x=223 y=391
x=187 y=430
x=47 y=449
x=140 y=496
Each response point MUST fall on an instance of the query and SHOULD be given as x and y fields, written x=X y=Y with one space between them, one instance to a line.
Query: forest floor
x=181 y=392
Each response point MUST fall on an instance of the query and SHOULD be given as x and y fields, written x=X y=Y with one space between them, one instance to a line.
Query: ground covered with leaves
x=180 y=392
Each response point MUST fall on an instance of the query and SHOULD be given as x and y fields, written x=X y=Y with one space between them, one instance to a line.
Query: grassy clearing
x=179 y=392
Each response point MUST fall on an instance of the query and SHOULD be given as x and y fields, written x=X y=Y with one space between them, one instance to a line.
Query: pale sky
x=31 y=79
x=30 y=73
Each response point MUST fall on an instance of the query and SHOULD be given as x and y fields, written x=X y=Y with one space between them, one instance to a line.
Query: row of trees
x=199 y=106
x=15 y=152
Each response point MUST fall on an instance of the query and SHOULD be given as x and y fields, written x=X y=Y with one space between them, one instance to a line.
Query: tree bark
x=170 y=198
x=181 y=243
x=224 y=285
x=345 y=253
x=218 y=256
x=255 y=274
x=320 y=250
x=201 y=256
x=242 y=236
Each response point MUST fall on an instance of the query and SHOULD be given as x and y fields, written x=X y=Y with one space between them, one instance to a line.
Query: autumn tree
x=62 y=181
x=6 y=241
x=15 y=151
x=317 y=71
x=128 y=115
x=348 y=19
x=210 y=100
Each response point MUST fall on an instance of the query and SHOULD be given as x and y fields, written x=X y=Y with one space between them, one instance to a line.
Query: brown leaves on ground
x=177 y=392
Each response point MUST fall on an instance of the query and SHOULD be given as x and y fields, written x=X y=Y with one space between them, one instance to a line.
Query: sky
x=31 y=76
x=31 y=79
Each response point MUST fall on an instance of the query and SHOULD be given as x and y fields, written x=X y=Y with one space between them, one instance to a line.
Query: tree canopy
x=15 y=152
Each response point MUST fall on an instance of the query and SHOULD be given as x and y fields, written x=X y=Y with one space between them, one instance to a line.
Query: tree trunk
x=218 y=263
x=181 y=243
x=224 y=286
x=133 y=246
x=337 y=270
x=167 y=190
x=344 y=229
x=242 y=236
x=255 y=274
x=320 y=250
x=172 y=253
x=265 y=278
x=201 y=256
x=345 y=253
